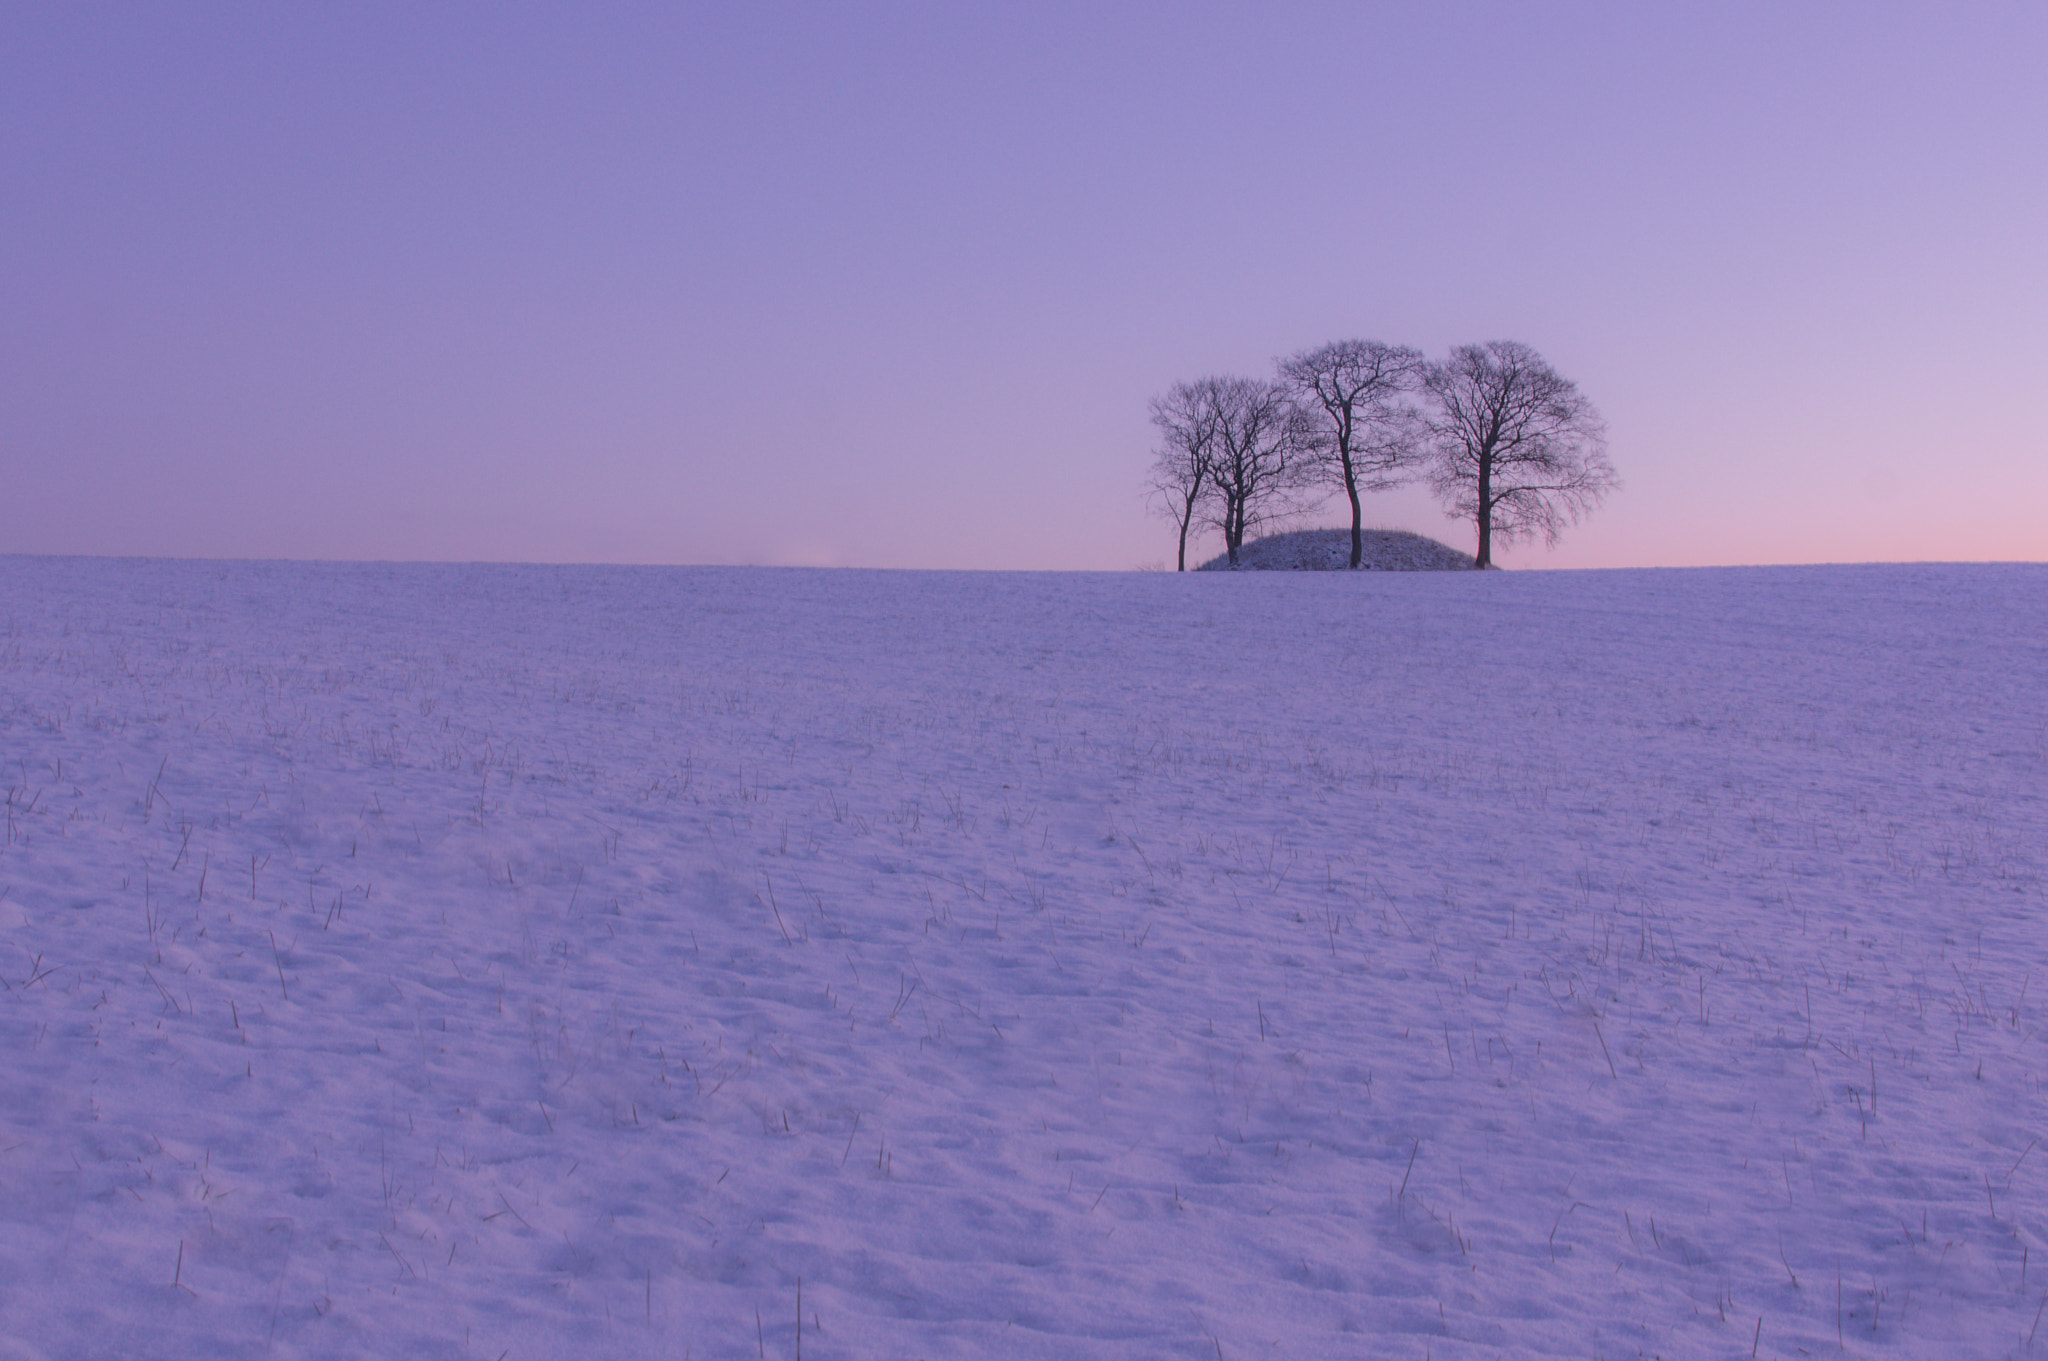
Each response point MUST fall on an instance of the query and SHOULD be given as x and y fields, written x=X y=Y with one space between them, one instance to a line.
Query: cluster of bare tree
x=1500 y=436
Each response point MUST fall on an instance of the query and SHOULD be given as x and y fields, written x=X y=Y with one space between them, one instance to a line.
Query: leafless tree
x=1514 y=446
x=1257 y=461
x=1181 y=472
x=1363 y=433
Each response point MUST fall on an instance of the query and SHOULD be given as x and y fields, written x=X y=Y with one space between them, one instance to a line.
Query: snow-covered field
x=495 y=961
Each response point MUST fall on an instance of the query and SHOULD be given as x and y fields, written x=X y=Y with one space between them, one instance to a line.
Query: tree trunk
x=1357 y=524
x=1484 y=558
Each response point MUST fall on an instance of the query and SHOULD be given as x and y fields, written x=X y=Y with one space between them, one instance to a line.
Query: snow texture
x=443 y=961
x=1329 y=550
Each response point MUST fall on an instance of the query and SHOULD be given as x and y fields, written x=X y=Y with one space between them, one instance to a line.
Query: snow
x=452 y=961
x=1329 y=550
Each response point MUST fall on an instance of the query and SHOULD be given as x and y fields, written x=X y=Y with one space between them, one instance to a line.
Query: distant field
x=442 y=961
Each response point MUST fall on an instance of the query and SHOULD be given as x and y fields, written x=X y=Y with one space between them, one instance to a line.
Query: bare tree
x=1257 y=460
x=1363 y=434
x=1514 y=446
x=1181 y=473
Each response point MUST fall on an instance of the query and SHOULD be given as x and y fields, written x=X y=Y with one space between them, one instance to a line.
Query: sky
x=891 y=286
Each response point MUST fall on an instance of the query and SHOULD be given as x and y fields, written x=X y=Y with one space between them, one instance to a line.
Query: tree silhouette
x=1186 y=417
x=1513 y=445
x=1361 y=431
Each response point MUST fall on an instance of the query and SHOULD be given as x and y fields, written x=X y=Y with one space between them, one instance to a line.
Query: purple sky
x=774 y=284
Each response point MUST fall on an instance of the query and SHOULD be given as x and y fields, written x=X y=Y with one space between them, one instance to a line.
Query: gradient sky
x=891 y=286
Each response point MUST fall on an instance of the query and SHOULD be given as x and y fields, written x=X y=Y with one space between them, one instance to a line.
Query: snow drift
x=1329 y=550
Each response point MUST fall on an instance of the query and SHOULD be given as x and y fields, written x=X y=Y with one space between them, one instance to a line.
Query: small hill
x=1329 y=550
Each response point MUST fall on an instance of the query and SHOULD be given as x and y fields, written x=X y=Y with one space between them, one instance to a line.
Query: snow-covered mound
x=1329 y=550
x=457 y=961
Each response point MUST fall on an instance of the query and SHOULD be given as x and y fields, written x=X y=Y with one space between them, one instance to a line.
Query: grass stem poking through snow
x=1603 y=1050
x=770 y=883
x=278 y=960
x=2015 y=1162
